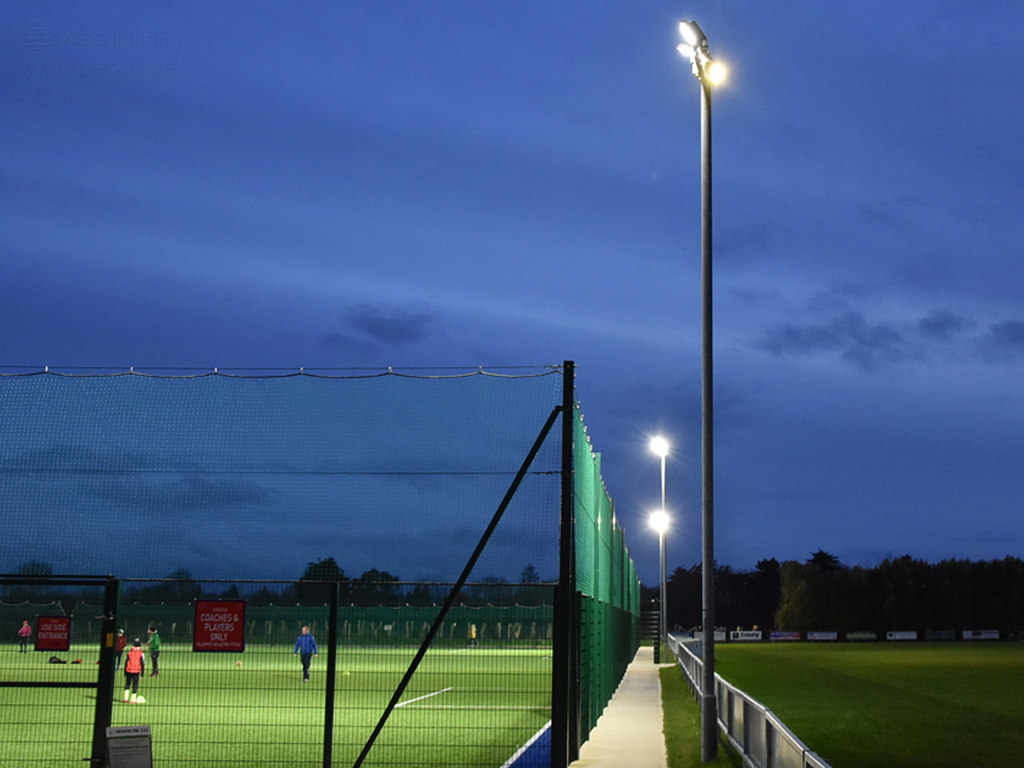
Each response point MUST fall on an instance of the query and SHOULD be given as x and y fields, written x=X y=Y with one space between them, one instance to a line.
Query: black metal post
x=564 y=699
x=332 y=676
x=105 y=683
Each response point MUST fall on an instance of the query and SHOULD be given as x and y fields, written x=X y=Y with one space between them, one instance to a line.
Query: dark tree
x=323 y=570
x=376 y=588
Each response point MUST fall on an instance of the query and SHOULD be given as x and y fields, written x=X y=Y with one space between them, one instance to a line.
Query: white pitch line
x=420 y=698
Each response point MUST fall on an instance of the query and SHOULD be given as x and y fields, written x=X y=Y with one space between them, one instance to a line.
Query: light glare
x=659 y=445
x=716 y=73
x=659 y=521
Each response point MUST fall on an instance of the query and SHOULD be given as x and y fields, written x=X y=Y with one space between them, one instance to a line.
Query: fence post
x=565 y=705
x=332 y=666
x=105 y=680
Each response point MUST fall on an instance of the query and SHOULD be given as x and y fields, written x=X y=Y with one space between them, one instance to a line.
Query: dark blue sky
x=477 y=183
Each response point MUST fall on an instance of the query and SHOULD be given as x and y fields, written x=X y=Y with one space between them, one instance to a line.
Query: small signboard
x=907 y=634
x=822 y=637
x=53 y=633
x=981 y=634
x=745 y=635
x=219 y=626
x=130 y=746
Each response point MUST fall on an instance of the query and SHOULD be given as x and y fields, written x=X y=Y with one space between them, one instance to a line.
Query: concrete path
x=629 y=733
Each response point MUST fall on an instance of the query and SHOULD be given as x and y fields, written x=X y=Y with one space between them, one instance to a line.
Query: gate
x=56 y=714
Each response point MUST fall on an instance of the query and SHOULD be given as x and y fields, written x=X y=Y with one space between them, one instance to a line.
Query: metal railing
x=760 y=738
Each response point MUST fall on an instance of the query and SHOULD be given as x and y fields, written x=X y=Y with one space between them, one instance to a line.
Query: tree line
x=823 y=594
x=318 y=580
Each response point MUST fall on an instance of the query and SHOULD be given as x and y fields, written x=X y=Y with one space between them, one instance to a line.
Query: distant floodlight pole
x=660 y=521
x=708 y=73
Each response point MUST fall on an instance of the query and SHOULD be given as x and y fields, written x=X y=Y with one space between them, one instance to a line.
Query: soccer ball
x=238 y=663
x=139 y=700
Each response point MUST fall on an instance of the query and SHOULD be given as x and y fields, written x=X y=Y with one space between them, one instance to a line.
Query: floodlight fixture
x=693 y=34
x=659 y=446
x=695 y=48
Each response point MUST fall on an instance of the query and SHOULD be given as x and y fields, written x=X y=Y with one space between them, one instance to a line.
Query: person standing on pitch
x=122 y=642
x=154 y=648
x=24 y=633
x=134 y=666
x=305 y=648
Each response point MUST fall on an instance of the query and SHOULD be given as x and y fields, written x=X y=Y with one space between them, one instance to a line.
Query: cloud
x=1004 y=341
x=943 y=325
x=166 y=483
x=394 y=327
x=865 y=345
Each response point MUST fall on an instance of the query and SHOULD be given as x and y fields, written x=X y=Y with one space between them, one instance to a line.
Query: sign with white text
x=220 y=626
x=53 y=633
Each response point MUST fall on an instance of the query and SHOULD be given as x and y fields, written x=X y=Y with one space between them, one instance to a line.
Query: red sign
x=220 y=626
x=53 y=633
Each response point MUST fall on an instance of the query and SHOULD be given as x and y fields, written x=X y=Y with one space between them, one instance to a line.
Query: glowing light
x=692 y=34
x=716 y=73
x=659 y=521
x=659 y=446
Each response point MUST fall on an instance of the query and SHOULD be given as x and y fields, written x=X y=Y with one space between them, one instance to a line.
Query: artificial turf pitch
x=472 y=707
x=914 y=705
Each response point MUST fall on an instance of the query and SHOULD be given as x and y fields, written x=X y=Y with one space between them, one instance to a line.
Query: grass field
x=463 y=707
x=919 y=705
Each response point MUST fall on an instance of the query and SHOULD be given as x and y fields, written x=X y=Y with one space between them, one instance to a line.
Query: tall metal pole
x=708 y=713
x=663 y=634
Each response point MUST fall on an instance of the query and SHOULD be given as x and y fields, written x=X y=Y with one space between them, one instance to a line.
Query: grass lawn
x=682 y=723
x=918 y=705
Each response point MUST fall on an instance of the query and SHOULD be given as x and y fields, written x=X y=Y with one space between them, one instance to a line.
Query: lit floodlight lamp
x=693 y=34
x=659 y=446
x=659 y=521
x=716 y=72
x=695 y=48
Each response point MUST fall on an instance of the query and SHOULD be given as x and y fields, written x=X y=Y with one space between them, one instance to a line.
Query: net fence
x=482 y=692
x=274 y=490
x=225 y=476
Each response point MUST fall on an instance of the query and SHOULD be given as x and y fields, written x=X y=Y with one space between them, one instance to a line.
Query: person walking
x=24 y=633
x=153 y=644
x=122 y=642
x=134 y=667
x=305 y=648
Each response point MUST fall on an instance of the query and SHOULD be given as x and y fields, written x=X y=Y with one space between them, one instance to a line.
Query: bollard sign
x=219 y=626
x=53 y=633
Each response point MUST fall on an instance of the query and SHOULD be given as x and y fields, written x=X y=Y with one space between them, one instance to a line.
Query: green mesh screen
x=255 y=477
x=609 y=590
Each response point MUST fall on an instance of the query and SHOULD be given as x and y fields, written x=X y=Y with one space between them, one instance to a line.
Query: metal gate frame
x=104 y=684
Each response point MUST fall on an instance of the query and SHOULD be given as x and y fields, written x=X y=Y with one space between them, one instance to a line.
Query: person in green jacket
x=153 y=644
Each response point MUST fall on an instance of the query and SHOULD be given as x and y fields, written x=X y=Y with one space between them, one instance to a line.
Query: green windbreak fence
x=606 y=580
x=181 y=479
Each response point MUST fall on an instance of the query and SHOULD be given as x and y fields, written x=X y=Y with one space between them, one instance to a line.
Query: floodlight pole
x=708 y=709
x=696 y=47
